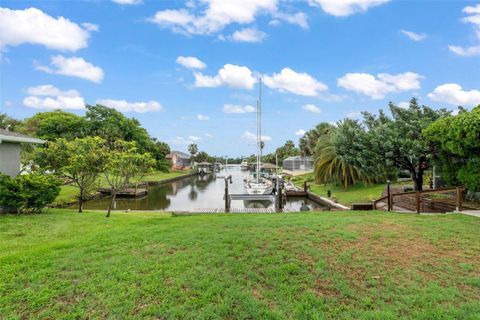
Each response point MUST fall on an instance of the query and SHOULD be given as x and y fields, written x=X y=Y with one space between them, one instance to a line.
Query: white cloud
x=74 y=67
x=414 y=36
x=90 y=26
x=230 y=108
x=465 y=51
x=50 y=97
x=35 y=27
x=191 y=62
x=311 y=108
x=300 y=132
x=473 y=17
x=353 y=114
x=208 y=135
x=342 y=8
x=248 y=35
x=298 y=18
x=404 y=104
x=202 y=117
x=124 y=106
x=211 y=16
x=185 y=140
x=230 y=76
x=454 y=94
x=251 y=137
x=127 y=2
x=298 y=83
x=378 y=87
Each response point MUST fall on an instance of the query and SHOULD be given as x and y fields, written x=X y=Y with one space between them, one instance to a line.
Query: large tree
x=8 y=123
x=123 y=163
x=381 y=142
x=308 y=142
x=193 y=149
x=80 y=160
x=457 y=141
x=55 y=124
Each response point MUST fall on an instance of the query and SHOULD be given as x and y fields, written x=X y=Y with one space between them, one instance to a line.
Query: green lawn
x=356 y=193
x=330 y=265
x=69 y=193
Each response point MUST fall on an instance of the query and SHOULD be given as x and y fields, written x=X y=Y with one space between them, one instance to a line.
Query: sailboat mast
x=259 y=132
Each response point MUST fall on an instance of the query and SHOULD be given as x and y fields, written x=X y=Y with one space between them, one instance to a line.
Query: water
x=197 y=192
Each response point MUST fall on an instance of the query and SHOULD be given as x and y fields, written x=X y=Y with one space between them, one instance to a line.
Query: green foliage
x=8 y=123
x=384 y=143
x=283 y=152
x=81 y=160
x=54 y=125
x=469 y=175
x=202 y=156
x=330 y=167
x=28 y=193
x=308 y=142
x=193 y=149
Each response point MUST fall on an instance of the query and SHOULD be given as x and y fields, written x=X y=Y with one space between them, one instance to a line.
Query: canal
x=198 y=192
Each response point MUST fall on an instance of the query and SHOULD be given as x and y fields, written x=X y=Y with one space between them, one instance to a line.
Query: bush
x=469 y=175
x=28 y=193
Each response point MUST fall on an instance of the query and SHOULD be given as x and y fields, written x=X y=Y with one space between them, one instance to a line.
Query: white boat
x=259 y=185
x=244 y=165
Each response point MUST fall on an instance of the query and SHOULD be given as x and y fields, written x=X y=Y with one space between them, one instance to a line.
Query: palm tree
x=193 y=149
x=329 y=166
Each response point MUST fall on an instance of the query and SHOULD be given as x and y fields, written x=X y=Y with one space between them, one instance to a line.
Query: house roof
x=10 y=136
x=179 y=154
x=204 y=163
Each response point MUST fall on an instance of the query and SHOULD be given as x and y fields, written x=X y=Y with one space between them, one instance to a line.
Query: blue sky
x=188 y=70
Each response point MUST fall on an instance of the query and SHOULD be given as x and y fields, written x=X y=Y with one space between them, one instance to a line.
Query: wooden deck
x=222 y=210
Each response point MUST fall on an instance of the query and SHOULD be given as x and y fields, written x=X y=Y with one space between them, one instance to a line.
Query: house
x=180 y=160
x=10 y=151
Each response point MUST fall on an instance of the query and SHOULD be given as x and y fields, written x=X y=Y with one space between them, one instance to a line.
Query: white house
x=10 y=151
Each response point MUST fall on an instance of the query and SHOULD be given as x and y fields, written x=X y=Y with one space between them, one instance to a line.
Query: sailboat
x=259 y=185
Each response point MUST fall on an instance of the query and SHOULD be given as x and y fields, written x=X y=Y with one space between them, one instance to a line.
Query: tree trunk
x=112 y=201
x=80 y=201
x=417 y=178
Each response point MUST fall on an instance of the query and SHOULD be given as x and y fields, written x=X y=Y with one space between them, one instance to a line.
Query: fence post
x=417 y=201
x=459 y=199
x=389 y=199
x=227 y=202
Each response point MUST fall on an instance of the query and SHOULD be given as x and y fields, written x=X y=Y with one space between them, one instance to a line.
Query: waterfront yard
x=348 y=265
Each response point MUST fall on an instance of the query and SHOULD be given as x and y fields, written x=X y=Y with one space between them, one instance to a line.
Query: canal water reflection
x=197 y=192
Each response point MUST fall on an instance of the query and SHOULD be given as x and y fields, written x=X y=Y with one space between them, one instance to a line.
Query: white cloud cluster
x=342 y=8
x=50 y=97
x=289 y=80
x=191 y=62
x=231 y=108
x=251 y=137
x=378 y=87
x=300 y=132
x=414 y=36
x=35 y=27
x=251 y=35
x=311 y=108
x=125 y=106
x=127 y=2
x=202 y=117
x=473 y=17
x=185 y=140
x=215 y=15
x=454 y=94
x=229 y=75
x=74 y=67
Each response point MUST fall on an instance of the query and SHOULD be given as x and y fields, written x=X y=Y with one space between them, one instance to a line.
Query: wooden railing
x=418 y=201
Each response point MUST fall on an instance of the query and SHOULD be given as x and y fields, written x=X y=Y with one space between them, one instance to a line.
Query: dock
x=128 y=192
x=222 y=210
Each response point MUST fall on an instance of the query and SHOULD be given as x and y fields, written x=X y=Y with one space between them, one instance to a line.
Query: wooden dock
x=222 y=211
x=128 y=192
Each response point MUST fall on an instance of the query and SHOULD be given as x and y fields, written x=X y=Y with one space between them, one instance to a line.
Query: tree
x=8 y=123
x=330 y=167
x=124 y=162
x=81 y=160
x=382 y=143
x=309 y=140
x=193 y=149
x=456 y=140
x=53 y=125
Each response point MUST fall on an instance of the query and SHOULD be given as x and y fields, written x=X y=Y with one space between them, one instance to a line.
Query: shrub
x=28 y=193
x=469 y=175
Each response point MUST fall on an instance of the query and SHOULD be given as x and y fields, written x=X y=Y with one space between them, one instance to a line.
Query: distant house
x=10 y=151
x=180 y=160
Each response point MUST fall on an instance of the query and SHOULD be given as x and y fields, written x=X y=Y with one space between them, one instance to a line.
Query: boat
x=259 y=185
x=244 y=165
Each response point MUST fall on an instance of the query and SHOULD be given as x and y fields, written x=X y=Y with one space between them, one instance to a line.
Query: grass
x=335 y=265
x=69 y=193
x=354 y=194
